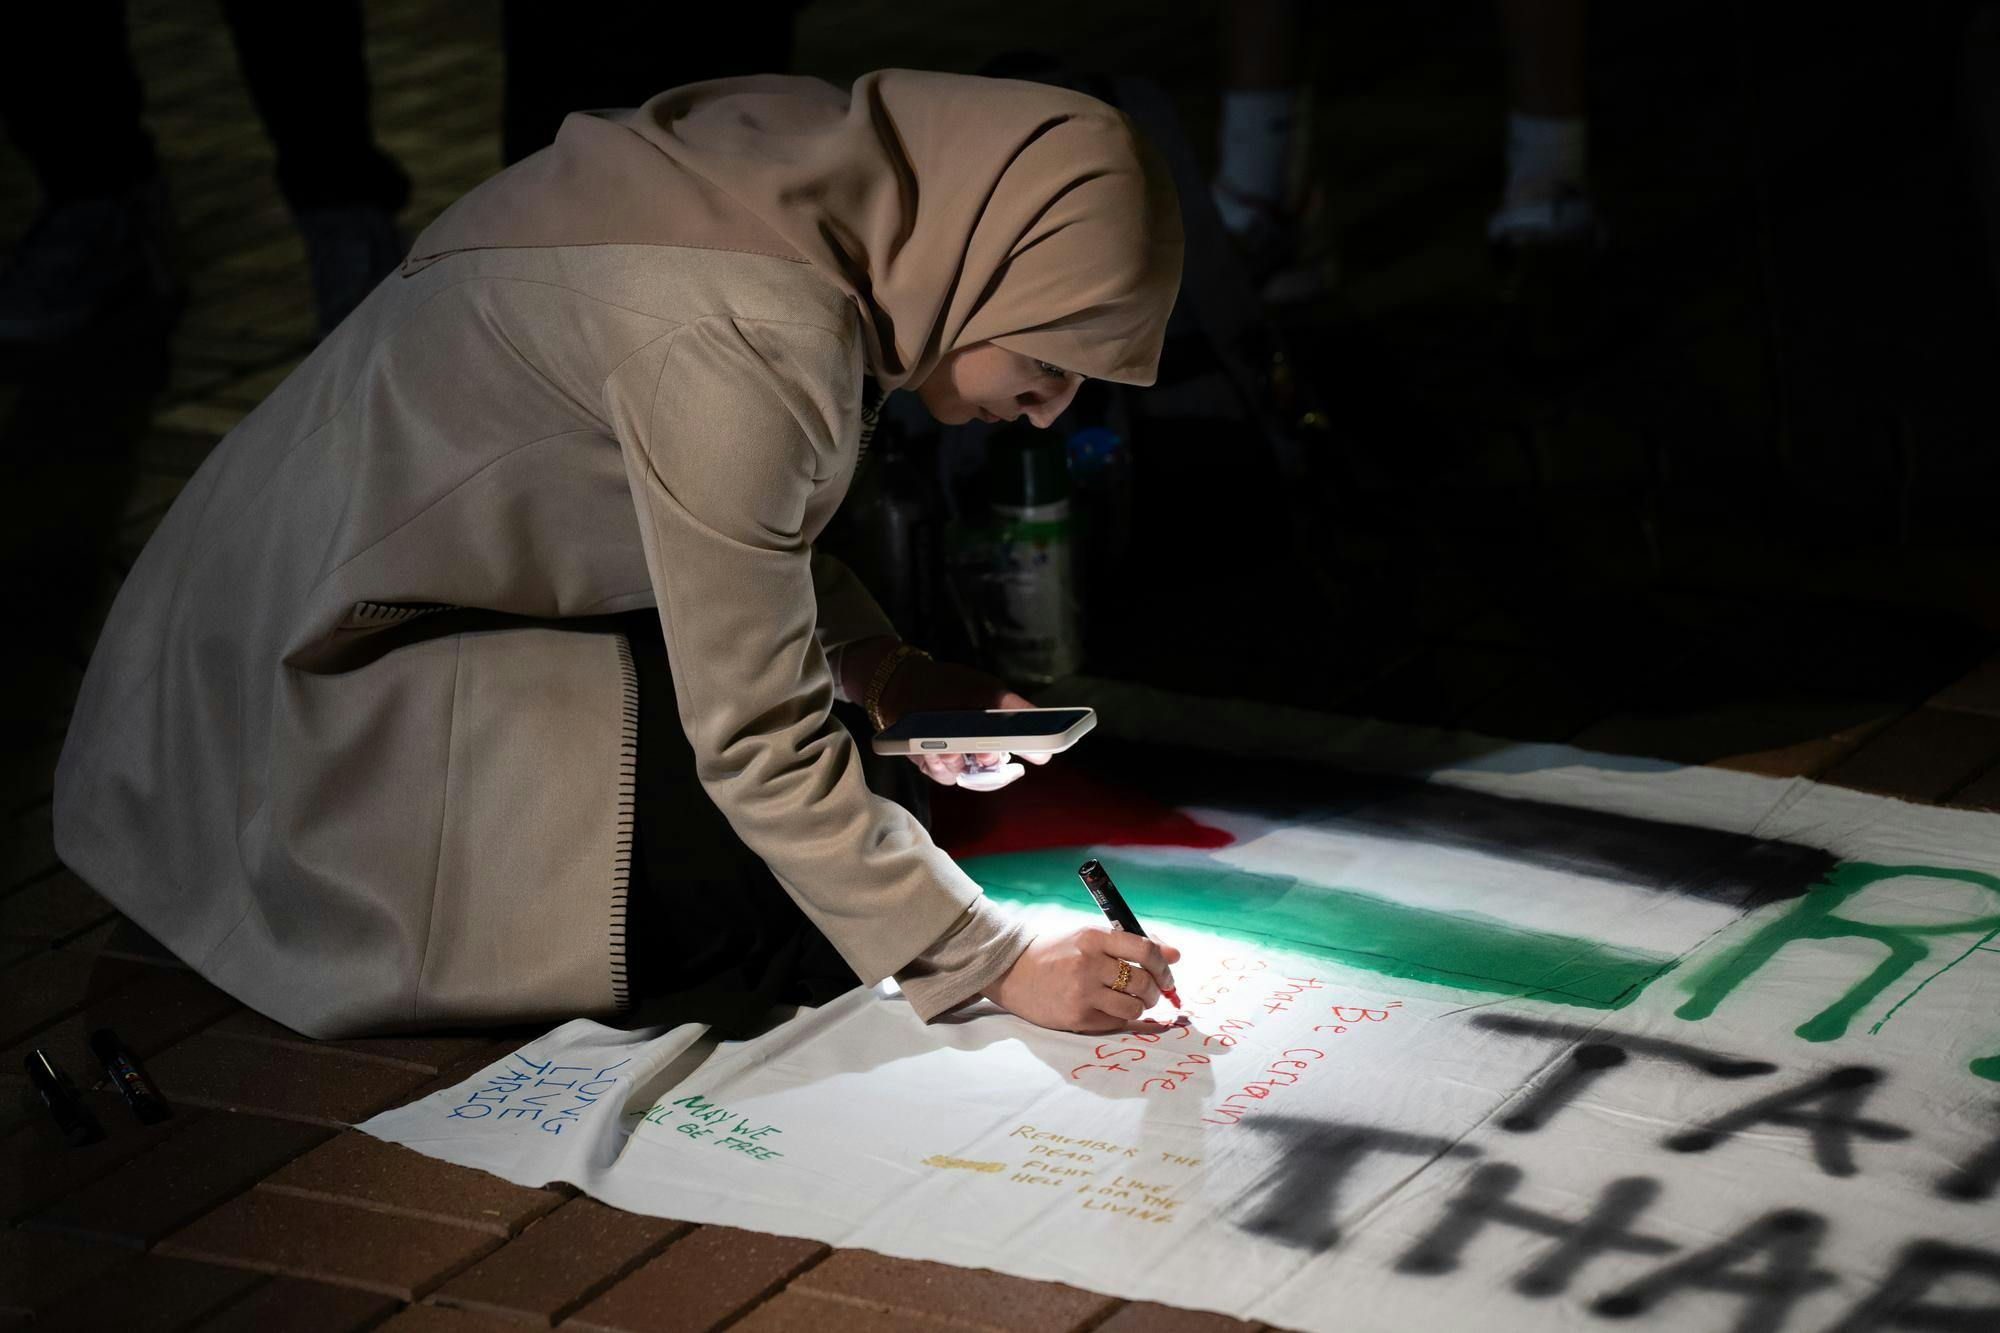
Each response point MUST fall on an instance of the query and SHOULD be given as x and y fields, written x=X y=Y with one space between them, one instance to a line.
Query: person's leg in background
x=306 y=69
x=1546 y=200
x=101 y=244
x=619 y=53
x=1264 y=199
x=1263 y=88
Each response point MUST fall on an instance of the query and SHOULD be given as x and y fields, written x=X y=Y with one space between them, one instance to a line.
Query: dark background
x=1726 y=492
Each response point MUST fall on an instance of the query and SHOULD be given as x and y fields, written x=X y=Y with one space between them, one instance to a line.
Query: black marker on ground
x=122 y=1068
x=73 y=1119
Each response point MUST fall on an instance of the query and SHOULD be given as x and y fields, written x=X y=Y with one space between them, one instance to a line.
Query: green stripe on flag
x=1464 y=950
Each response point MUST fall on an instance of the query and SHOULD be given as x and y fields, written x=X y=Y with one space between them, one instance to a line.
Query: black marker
x=1094 y=878
x=72 y=1117
x=122 y=1068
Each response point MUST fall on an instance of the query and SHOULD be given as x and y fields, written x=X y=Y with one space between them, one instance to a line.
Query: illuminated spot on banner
x=1458 y=949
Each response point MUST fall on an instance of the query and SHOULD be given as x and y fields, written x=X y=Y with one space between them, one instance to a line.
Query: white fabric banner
x=1548 y=1040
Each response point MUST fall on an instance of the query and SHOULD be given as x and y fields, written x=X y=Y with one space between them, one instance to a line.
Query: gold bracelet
x=885 y=671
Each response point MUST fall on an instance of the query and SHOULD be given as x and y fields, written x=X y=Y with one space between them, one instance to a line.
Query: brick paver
x=52 y=909
x=701 y=1282
x=321 y=1087
x=1547 y=701
x=1804 y=759
x=292 y=1305
x=1978 y=691
x=152 y=1009
x=28 y=849
x=162 y=1190
x=559 y=1262
x=391 y=1253
x=42 y=990
x=996 y=1300
x=809 y=1312
x=1922 y=756
x=130 y=944
x=40 y=1169
x=455 y=1073
x=443 y=1319
x=147 y=1294
x=1443 y=684
x=1982 y=793
x=356 y=1168
x=37 y=1270
x=1146 y=1317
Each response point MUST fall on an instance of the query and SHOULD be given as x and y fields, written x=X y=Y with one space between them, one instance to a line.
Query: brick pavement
x=253 y=1208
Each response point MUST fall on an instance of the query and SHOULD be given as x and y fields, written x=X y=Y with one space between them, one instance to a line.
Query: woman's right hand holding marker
x=1068 y=981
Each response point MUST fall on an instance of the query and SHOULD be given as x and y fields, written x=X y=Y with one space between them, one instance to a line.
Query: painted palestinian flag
x=1487 y=894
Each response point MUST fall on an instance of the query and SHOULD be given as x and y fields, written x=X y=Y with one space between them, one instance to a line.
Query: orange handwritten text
x=1292 y=1064
x=1348 y=1015
x=1238 y=970
x=1283 y=1072
x=1278 y=1001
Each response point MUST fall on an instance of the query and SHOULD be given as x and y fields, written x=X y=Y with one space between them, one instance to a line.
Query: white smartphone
x=981 y=731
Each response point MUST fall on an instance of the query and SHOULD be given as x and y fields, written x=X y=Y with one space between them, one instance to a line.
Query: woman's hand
x=921 y=685
x=1064 y=981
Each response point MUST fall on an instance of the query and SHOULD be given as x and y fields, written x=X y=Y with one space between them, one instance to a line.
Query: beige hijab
x=952 y=210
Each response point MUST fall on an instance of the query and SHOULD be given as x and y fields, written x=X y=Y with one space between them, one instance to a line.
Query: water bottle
x=1034 y=629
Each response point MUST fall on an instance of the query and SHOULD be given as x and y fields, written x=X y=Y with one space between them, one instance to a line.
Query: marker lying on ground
x=73 y=1119
x=122 y=1068
x=1095 y=878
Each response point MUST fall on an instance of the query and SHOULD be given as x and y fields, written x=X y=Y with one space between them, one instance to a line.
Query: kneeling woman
x=368 y=737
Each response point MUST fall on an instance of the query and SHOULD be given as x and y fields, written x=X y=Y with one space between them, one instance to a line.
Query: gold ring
x=1124 y=975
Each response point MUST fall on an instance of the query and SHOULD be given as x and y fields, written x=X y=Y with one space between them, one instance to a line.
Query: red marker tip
x=1168 y=991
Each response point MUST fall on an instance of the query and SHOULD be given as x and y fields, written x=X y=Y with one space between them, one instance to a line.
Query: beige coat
x=355 y=815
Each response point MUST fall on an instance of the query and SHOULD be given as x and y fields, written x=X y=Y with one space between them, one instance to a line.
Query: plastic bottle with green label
x=1035 y=632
